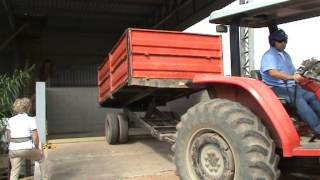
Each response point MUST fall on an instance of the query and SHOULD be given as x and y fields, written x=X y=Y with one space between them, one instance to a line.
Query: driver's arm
x=284 y=76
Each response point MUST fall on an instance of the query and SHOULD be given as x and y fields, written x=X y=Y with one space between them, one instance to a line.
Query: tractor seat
x=255 y=74
x=300 y=126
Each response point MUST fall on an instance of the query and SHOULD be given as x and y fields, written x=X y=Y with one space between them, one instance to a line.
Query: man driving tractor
x=278 y=72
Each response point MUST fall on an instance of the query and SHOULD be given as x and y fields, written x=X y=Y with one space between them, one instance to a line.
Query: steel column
x=246 y=47
x=234 y=50
x=41 y=111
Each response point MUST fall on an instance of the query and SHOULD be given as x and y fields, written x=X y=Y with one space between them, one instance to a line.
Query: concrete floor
x=93 y=158
x=140 y=159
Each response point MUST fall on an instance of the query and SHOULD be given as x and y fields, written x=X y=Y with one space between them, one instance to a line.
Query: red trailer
x=146 y=63
x=148 y=68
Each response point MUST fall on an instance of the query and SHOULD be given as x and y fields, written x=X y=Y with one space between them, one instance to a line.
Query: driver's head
x=278 y=39
x=279 y=35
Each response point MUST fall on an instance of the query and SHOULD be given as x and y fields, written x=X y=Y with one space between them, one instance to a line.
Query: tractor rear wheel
x=221 y=139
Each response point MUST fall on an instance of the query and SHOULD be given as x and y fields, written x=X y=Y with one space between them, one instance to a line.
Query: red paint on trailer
x=158 y=54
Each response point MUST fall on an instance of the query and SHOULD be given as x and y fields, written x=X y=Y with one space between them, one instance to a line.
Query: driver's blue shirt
x=281 y=61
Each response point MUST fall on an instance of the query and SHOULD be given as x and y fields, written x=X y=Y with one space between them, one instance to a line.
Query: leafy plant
x=11 y=87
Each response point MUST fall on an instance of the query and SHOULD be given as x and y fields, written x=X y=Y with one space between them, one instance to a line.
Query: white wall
x=75 y=111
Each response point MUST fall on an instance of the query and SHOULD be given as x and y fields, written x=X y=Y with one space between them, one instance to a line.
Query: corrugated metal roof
x=115 y=15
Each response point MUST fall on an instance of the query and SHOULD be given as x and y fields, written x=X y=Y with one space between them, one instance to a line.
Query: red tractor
x=235 y=135
x=241 y=132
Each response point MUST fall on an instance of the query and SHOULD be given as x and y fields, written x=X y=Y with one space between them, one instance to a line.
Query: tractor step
x=307 y=148
x=305 y=144
x=311 y=145
x=306 y=139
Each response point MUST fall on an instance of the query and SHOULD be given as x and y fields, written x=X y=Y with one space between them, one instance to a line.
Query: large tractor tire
x=112 y=128
x=123 y=128
x=222 y=140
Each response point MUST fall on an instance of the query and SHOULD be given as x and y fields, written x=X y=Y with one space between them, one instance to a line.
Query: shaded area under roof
x=108 y=16
x=83 y=31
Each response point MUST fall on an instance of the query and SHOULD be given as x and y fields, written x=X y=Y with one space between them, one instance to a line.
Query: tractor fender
x=261 y=100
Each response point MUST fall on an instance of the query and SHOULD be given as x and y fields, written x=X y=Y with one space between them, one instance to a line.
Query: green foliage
x=11 y=87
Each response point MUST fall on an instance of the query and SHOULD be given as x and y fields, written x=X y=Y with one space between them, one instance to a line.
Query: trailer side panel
x=144 y=59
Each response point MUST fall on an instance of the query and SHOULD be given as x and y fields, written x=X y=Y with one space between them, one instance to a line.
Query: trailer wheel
x=112 y=128
x=123 y=128
x=221 y=139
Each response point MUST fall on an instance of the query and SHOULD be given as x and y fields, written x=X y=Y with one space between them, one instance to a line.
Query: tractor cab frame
x=267 y=14
x=261 y=14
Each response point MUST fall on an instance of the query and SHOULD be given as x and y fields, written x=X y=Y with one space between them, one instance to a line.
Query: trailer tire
x=112 y=128
x=123 y=128
x=221 y=139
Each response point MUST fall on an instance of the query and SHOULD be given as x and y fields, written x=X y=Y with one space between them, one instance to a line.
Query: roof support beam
x=12 y=37
x=10 y=15
x=16 y=51
x=180 y=14
x=168 y=10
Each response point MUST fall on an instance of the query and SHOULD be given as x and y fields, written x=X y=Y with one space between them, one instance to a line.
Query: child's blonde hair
x=21 y=105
